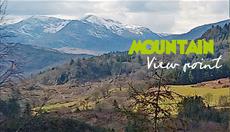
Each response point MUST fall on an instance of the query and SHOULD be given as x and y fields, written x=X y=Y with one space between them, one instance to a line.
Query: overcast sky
x=162 y=16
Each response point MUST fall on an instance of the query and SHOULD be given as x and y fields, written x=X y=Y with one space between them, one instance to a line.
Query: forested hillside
x=117 y=63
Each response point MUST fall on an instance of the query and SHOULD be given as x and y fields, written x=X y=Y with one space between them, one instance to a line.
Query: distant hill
x=35 y=59
x=221 y=35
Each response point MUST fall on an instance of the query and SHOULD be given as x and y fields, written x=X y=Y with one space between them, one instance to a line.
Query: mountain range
x=50 y=40
x=89 y=33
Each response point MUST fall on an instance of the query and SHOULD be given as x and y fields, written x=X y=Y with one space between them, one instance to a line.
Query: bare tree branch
x=9 y=66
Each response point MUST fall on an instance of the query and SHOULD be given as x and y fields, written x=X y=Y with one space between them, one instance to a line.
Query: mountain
x=89 y=33
x=34 y=28
x=196 y=32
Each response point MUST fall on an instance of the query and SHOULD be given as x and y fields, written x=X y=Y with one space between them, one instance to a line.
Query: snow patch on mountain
x=78 y=51
x=25 y=30
x=53 y=28
x=162 y=35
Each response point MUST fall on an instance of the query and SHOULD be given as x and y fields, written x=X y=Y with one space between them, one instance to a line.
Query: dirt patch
x=220 y=83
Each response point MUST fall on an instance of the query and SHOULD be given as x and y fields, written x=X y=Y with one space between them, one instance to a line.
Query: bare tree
x=9 y=67
x=3 y=5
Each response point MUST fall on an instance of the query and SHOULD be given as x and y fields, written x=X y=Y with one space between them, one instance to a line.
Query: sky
x=161 y=16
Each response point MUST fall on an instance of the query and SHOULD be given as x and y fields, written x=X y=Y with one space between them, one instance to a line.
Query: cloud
x=196 y=13
x=175 y=16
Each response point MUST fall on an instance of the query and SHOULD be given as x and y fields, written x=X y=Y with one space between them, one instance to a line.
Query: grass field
x=188 y=90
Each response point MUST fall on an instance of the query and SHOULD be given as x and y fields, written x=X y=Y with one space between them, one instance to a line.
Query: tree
x=152 y=105
x=223 y=101
x=9 y=67
x=195 y=109
x=191 y=106
x=71 y=62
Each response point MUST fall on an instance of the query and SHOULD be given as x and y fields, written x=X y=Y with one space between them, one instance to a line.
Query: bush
x=49 y=124
x=223 y=101
x=62 y=79
x=10 y=108
x=195 y=109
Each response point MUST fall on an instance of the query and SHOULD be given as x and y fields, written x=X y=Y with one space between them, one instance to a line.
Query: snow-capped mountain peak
x=44 y=23
x=53 y=32
x=99 y=20
x=115 y=26
x=53 y=28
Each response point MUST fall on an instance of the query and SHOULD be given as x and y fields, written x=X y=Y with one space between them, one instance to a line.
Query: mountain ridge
x=105 y=36
x=90 y=33
x=196 y=32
